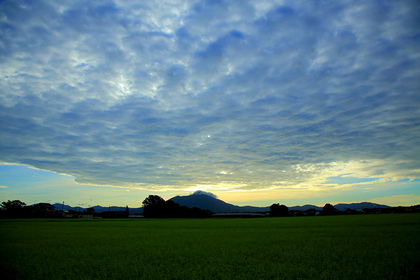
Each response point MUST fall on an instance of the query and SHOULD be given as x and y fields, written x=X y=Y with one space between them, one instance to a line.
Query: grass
x=329 y=247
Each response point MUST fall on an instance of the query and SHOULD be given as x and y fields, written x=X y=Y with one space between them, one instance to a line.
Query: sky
x=257 y=102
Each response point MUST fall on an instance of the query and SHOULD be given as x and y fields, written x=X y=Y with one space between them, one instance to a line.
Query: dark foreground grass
x=333 y=247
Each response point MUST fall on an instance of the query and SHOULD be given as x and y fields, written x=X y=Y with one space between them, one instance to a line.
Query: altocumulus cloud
x=222 y=94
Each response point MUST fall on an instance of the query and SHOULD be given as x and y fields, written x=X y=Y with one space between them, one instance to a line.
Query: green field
x=330 y=247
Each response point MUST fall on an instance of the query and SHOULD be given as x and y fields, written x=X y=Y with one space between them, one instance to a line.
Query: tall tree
x=153 y=206
x=13 y=208
x=328 y=208
x=277 y=210
x=12 y=205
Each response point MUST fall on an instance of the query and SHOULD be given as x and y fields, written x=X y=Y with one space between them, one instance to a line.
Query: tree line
x=155 y=206
x=19 y=209
x=277 y=210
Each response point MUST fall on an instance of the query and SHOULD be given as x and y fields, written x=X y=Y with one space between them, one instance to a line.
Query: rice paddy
x=329 y=247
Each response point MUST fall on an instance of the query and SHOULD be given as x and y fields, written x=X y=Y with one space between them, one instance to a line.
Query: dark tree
x=274 y=209
x=127 y=211
x=329 y=209
x=12 y=205
x=172 y=209
x=153 y=206
x=156 y=207
x=90 y=210
x=13 y=209
x=153 y=200
x=277 y=210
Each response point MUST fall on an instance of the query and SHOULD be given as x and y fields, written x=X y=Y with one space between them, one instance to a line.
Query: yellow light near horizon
x=267 y=195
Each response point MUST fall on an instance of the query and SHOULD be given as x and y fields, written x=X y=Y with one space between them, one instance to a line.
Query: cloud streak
x=230 y=94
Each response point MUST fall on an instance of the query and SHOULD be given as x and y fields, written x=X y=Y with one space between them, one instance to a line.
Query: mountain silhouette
x=305 y=207
x=206 y=202
x=360 y=205
x=98 y=208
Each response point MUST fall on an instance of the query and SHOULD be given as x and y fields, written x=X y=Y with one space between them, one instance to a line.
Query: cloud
x=234 y=95
x=399 y=200
x=204 y=193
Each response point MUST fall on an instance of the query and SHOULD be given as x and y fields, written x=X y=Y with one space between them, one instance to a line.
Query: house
x=43 y=210
x=75 y=215
x=83 y=216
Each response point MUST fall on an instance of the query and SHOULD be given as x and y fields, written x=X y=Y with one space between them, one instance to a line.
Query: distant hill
x=342 y=206
x=207 y=202
x=59 y=207
x=360 y=205
x=98 y=208
x=305 y=207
